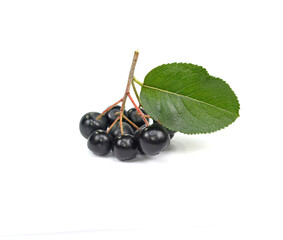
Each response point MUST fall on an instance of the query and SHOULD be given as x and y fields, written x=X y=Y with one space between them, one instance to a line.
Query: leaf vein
x=190 y=110
x=208 y=112
x=193 y=99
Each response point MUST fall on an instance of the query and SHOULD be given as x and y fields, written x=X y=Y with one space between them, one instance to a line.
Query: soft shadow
x=138 y=158
x=109 y=155
x=185 y=144
x=141 y=158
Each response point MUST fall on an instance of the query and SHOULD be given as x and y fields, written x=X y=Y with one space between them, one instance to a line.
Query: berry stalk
x=113 y=124
x=134 y=125
x=108 y=109
x=139 y=111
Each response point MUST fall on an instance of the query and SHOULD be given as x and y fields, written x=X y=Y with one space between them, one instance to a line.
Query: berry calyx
x=153 y=139
x=125 y=147
x=100 y=142
x=115 y=131
x=112 y=114
x=134 y=116
x=89 y=123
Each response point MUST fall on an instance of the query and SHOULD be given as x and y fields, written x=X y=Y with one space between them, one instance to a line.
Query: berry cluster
x=124 y=132
x=127 y=137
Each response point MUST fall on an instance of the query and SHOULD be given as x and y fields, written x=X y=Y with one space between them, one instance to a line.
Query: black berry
x=134 y=116
x=153 y=139
x=116 y=129
x=89 y=123
x=112 y=114
x=125 y=147
x=100 y=142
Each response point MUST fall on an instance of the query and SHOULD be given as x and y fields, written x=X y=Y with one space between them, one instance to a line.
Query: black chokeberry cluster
x=104 y=134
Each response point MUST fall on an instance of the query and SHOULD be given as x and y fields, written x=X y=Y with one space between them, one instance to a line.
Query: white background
x=60 y=59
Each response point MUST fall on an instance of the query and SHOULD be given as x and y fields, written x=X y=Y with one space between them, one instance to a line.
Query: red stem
x=109 y=108
x=131 y=122
x=139 y=111
x=116 y=120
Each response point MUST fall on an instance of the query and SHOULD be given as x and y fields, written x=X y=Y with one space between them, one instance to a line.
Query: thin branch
x=139 y=111
x=135 y=126
x=130 y=79
x=109 y=108
x=116 y=120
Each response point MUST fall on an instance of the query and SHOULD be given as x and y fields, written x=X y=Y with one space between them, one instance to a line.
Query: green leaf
x=185 y=98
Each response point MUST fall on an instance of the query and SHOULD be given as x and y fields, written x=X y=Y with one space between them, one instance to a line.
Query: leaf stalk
x=137 y=81
x=136 y=93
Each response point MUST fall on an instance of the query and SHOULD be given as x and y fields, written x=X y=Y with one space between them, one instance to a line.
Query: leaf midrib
x=193 y=99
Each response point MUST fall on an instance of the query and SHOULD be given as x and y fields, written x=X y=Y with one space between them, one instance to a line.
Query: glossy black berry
x=112 y=114
x=116 y=129
x=125 y=147
x=100 y=142
x=153 y=139
x=89 y=123
x=134 y=116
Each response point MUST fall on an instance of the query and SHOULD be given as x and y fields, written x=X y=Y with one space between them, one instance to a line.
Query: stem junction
x=131 y=80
